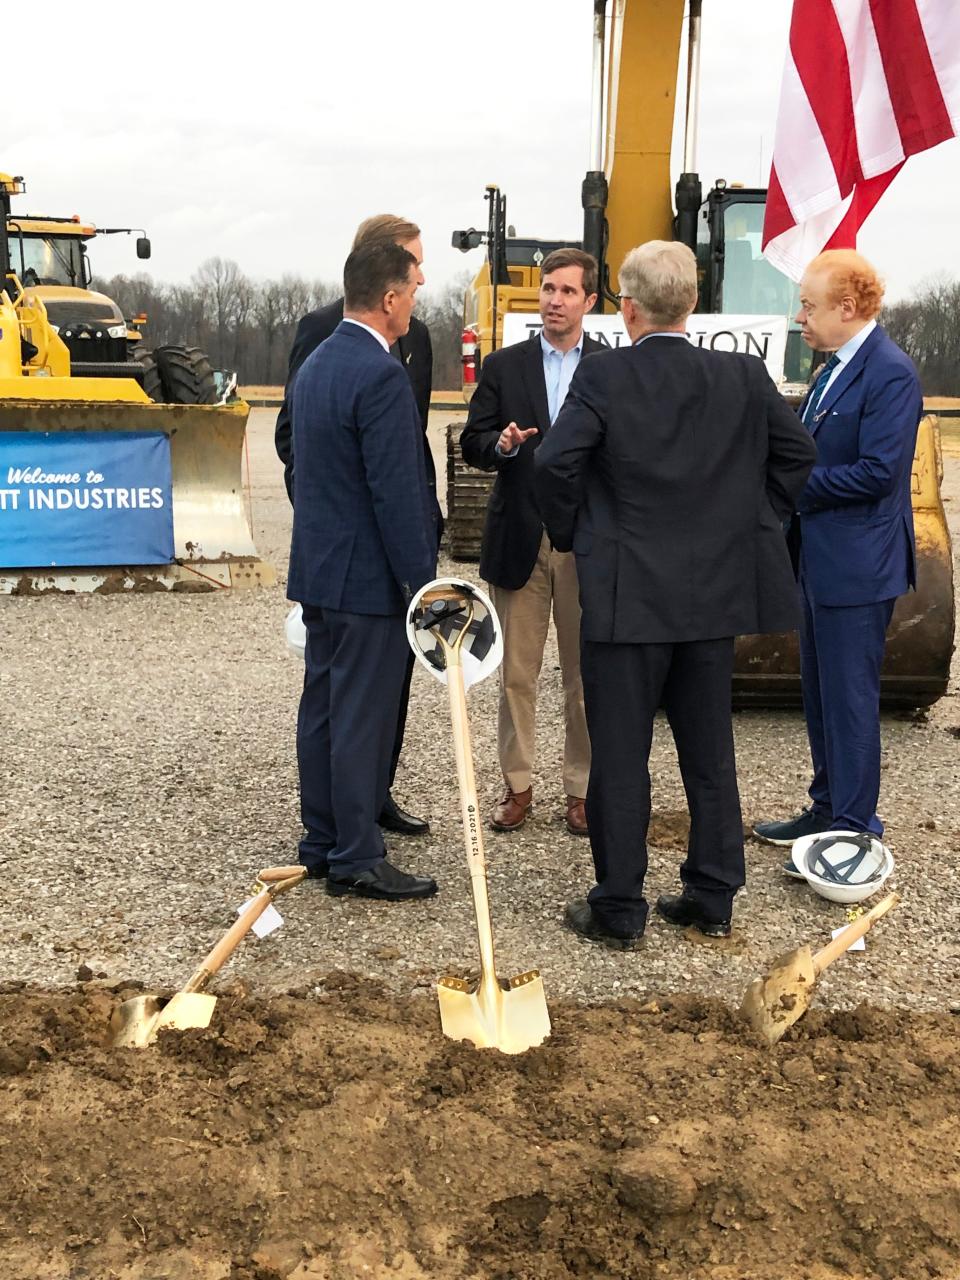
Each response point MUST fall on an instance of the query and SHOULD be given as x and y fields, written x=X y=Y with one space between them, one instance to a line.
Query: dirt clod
x=654 y=1182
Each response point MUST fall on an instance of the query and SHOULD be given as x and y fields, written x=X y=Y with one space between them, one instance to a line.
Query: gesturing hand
x=512 y=436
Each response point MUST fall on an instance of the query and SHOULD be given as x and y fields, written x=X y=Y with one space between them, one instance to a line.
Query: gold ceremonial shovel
x=136 y=1023
x=779 y=998
x=510 y=1016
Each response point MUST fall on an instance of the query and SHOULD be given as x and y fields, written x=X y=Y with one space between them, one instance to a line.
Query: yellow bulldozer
x=119 y=469
x=626 y=199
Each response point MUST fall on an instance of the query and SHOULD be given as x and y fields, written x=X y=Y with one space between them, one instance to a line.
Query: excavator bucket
x=212 y=545
x=916 y=666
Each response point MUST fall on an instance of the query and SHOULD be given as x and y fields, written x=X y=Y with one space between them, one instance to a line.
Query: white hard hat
x=844 y=866
x=482 y=648
x=295 y=632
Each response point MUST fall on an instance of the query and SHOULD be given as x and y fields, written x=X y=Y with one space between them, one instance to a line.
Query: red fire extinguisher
x=468 y=356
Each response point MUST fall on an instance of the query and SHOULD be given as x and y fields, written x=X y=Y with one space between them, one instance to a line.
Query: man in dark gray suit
x=669 y=472
x=364 y=542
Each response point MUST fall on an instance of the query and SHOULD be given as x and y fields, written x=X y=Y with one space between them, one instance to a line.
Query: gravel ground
x=149 y=770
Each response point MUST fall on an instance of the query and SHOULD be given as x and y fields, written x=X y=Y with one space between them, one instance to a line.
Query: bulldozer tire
x=186 y=376
x=151 y=374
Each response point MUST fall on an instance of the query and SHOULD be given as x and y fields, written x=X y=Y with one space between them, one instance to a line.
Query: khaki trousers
x=524 y=620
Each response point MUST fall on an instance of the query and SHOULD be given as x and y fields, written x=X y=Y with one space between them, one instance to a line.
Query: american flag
x=867 y=83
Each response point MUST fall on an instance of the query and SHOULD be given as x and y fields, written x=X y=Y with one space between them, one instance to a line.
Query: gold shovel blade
x=777 y=999
x=136 y=1023
x=511 y=1020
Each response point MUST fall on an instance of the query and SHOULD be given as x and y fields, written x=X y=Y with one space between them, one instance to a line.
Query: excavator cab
x=735 y=279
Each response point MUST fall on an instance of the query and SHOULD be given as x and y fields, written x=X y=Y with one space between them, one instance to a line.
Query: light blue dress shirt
x=558 y=370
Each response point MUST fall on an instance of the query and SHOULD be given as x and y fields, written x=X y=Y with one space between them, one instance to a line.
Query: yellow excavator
x=77 y=384
x=626 y=199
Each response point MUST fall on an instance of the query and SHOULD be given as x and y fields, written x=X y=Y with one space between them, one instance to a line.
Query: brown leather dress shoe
x=576 y=817
x=511 y=810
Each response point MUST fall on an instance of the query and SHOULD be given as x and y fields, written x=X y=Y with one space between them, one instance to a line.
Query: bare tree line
x=927 y=327
x=249 y=326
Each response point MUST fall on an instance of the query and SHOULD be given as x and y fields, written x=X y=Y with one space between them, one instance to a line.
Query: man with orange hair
x=853 y=538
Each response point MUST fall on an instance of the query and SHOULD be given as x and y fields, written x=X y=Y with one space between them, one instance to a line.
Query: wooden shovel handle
x=269 y=874
x=451 y=648
x=215 y=959
x=833 y=950
x=470 y=813
x=281 y=884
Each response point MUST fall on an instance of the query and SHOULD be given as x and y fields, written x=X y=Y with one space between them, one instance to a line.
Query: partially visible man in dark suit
x=364 y=542
x=854 y=532
x=669 y=472
x=519 y=395
x=415 y=353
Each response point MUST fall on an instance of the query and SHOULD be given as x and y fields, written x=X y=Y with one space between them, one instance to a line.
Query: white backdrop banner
x=762 y=336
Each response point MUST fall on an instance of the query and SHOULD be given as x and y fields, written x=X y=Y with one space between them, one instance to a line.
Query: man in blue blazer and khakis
x=854 y=536
x=364 y=542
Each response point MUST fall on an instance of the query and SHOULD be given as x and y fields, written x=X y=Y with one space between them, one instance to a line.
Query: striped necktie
x=819 y=387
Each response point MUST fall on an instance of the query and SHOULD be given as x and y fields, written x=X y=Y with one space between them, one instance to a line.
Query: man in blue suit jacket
x=854 y=536
x=415 y=353
x=364 y=542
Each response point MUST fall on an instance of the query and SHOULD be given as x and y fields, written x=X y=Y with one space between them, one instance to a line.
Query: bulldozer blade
x=777 y=999
x=212 y=535
x=490 y=1017
x=138 y=1022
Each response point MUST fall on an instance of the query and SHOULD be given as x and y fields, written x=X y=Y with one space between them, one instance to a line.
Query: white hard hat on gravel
x=844 y=866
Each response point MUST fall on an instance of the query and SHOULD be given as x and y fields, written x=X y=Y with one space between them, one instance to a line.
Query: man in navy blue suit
x=854 y=537
x=415 y=353
x=364 y=542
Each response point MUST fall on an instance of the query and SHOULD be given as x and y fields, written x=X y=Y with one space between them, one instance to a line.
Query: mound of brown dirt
x=342 y=1137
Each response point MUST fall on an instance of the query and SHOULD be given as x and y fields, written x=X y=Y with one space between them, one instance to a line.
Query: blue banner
x=85 y=498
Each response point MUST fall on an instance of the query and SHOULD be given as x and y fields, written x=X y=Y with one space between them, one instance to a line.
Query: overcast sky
x=265 y=133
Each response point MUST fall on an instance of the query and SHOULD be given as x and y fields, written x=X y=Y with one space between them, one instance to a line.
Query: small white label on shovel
x=854 y=946
x=269 y=919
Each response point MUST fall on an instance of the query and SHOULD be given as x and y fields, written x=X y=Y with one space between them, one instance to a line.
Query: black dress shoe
x=383 y=880
x=582 y=919
x=316 y=870
x=393 y=818
x=684 y=911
